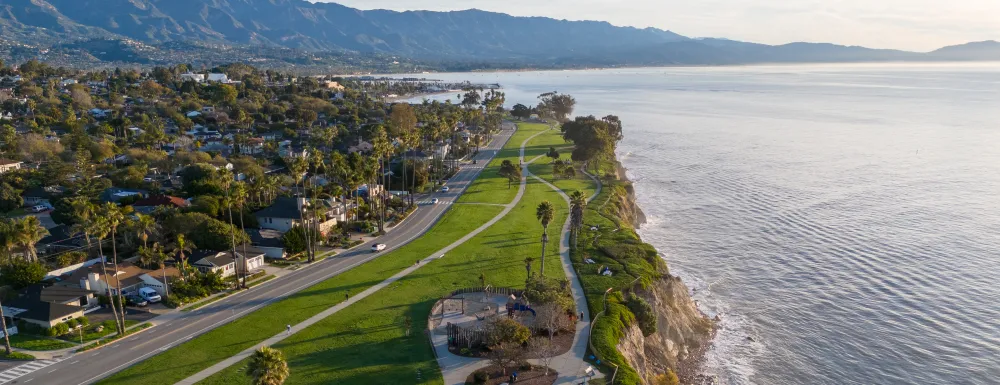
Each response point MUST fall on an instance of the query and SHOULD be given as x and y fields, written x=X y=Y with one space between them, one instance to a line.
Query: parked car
x=149 y=294
x=136 y=301
x=378 y=247
x=38 y=208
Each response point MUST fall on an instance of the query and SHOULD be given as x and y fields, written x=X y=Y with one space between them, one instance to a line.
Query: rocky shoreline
x=690 y=356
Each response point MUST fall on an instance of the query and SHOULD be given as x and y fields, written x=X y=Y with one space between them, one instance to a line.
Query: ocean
x=842 y=220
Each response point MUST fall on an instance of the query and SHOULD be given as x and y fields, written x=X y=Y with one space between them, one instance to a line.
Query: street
x=178 y=327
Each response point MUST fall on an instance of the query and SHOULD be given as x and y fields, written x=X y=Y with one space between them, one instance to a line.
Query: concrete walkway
x=570 y=365
x=364 y=294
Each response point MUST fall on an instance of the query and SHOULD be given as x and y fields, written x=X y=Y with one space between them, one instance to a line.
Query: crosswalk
x=23 y=370
x=430 y=202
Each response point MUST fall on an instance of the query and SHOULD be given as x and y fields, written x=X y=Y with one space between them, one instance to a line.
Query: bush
x=21 y=274
x=17 y=356
x=83 y=320
x=481 y=377
x=644 y=314
x=668 y=378
x=506 y=330
x=73 y=323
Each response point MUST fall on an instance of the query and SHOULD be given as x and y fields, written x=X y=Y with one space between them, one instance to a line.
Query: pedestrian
x=288 y=330
x=347 y=295
x=581 y=316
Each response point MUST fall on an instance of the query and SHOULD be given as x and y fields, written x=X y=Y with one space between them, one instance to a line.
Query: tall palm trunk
x=232 y=235
x=545 y=241
x=6 y=338
x=111 y=296
x=245 y=272
x=121 y=297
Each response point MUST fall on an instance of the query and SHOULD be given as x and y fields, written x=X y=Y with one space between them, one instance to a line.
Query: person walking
x=288 y=330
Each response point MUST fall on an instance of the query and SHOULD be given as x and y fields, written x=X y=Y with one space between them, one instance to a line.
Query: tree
x=521 y=111
x=556 y=106
x=553 y=153
x=503 y=330
x=505 y=355
x=6 y=337
x=544 y=212
x=578 y=205
x=155 y=257
x=180 y=246
x=10 y=198
x=545 y=350
x=527 y=264
x=113 y=217
x=267 y=366
x=550 y=316
x=225 y=94
x=144 y=226
x=510 y=171
x=295 y=240
x=20 y=274
x=28 y=231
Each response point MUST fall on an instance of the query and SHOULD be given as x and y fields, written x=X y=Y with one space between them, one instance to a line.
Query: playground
x=466 y=314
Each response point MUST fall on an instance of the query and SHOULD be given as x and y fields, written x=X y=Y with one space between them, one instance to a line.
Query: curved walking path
x=570 y=365
x=364 y=294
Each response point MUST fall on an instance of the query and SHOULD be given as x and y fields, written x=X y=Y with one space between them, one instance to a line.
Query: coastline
x=689 y=369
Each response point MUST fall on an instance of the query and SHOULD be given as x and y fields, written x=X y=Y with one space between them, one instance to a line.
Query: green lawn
x=225 y=341
x=368 y=343
x=90 y=332
x=490 y=187
x=37 y=343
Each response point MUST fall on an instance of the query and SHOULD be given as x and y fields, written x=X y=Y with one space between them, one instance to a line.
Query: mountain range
x=470 y=35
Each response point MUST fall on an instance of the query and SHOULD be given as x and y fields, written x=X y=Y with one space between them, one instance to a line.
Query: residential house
x=293 y=151
x=281 y=215
x=220 y=262
x=150 y=204
x=9 y=165
x=159 y=279
x=267 y=242
x=115 y=194
x=198 y=78
x=362 y=147
x=48 y=306
x=254 y=146
x=219 y=78
x=41 y=195
x=67 y=82
x=6 y=116
x=129 y=276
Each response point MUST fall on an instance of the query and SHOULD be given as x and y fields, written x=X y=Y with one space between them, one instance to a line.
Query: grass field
x=37 y=343
x=490 y=187
x=223 y=342
x=368 y=344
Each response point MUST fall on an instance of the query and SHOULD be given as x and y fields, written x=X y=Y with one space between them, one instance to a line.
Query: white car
x=444 y=189
x=378 y=247
x=434 y=201
x=149 y=294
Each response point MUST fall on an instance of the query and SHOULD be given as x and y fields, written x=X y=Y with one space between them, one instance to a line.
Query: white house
x=254 y=146
x=193 y=77
x=222 y=262
x=221 y=78
x=67 y=82
x=9 y=165
x=193 y=114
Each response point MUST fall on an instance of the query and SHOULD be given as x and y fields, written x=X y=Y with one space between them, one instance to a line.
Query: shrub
x=464 y=351
x=83 y=320
x=506 y=330
x=18 y=356
x=72 y=324
x=644 y=314
x=668 y=378
x=481 y=377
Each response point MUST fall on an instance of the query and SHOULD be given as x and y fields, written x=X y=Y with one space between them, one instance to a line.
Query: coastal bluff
x=683 y=333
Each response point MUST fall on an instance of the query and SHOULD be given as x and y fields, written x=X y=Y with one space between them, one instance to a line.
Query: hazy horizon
x=913 y=25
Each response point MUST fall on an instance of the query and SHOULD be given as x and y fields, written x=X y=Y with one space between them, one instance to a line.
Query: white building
x=193 y=77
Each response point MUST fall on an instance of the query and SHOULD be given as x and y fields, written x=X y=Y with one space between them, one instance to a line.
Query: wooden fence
x=467 y=338
x=489 y=289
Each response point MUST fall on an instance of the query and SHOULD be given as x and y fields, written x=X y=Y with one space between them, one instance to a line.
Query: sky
x=916 y=25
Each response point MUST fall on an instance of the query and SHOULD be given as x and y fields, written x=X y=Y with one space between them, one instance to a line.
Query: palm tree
x=179 y=247
x=154 y=256
x=8 y=238
x=144 y=226
x=97 y=226
x=114 y=216
x=239 y=197
x=544 y=213
x=267 y=366
x=27 y=231
x=3 y=323
x=578 y=205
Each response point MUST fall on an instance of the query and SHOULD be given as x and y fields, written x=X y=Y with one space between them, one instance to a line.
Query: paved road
x=178 y=327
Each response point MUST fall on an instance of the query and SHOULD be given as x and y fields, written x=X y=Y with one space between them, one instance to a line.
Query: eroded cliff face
x=682 y=332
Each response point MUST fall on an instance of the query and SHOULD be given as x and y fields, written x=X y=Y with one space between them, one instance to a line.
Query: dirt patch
x=534 y=376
